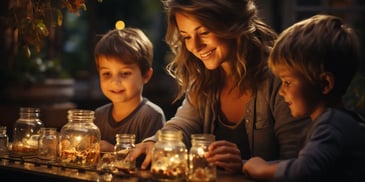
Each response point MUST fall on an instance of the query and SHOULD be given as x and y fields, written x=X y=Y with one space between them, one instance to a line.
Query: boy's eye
x=125 y=73
x=286 y=83
x=105 y=74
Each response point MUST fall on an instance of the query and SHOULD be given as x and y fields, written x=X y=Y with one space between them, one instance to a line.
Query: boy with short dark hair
x=124 y=62
x=316 y=60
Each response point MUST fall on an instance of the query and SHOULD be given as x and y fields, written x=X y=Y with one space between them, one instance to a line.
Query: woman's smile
x=202 y=43
x=207 y=54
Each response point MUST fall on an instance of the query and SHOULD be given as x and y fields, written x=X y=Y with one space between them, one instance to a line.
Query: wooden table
x=22 y=169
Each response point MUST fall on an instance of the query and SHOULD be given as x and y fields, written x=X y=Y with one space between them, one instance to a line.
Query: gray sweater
x=144 y=121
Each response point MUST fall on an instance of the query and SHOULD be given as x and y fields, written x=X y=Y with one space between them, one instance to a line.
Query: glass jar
x=4 y=140
x=79 y=143
x=169 y=156
x=199 y=168
x=123 y=147
x=48 y=144
x=26 y=132
x=106 y=165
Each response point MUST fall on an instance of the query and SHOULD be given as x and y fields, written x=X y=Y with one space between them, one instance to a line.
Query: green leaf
x=59 y=17
x=42 y=28
x=28 y=53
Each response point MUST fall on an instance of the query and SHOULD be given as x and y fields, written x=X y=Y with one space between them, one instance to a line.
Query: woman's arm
x=187 y=120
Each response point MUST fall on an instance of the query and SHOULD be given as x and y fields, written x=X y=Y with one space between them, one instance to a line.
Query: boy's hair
x=322 y=43
x=129 y=45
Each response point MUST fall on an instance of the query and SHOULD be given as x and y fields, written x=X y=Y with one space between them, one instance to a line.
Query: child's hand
x=143 y=148
x=257 y=168
x=252 y=166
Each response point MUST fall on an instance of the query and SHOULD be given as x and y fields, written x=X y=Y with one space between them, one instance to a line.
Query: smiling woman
x=220 y=52
x=205 y=45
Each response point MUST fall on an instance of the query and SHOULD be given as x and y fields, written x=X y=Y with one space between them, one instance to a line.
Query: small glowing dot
x=119 y=25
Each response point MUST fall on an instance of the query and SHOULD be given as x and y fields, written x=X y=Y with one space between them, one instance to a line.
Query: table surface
x=30 y=169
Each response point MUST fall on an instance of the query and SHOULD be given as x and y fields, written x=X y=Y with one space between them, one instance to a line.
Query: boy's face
x=121 y=83
x=301 y=96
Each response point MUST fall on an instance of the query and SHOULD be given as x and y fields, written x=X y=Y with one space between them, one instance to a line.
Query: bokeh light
x=119 y=24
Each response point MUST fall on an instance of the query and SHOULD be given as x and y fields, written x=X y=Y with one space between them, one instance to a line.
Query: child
x=316 y=60
x=124 y=61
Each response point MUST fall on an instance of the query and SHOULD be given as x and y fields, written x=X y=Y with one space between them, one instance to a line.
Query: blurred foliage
x=30 y=38
x=31 y=20
x=34 y=69
x=355 y=96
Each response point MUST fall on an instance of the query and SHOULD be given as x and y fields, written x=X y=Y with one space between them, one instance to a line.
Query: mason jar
x=199 y=168
x=26 y=132
x=4 y=140
x=79 y=143
x=124 y=146
x=48 y=144
x=106 y=165
x=169 y=156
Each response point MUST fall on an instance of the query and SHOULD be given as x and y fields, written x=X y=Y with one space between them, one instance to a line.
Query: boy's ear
x=147 y=76
x=328 y=82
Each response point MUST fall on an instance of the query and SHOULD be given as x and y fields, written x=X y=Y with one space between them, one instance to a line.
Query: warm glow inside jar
x=79 y=140
x=199 y=168
x=169 y=156
x=26 y=132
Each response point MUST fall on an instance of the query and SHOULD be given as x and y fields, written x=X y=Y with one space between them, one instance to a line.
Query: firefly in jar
x=199 y=168
x=79 y=150
x=169 y=164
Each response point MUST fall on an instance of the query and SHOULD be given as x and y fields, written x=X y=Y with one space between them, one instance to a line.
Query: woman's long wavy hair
x=234 y=20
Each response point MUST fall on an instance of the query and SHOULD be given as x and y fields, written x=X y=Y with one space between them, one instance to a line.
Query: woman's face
x=212 y=50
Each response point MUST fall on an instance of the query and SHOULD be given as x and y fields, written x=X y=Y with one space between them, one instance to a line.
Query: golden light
x=78 y=139
x=201 y=152
x=119 y=25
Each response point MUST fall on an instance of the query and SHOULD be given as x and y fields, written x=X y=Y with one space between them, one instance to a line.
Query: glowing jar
x=79 y=140
x=26 y=132
x=199 y=168
x=169 y=156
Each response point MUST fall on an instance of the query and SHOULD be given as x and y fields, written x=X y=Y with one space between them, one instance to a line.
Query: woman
x=221 y=50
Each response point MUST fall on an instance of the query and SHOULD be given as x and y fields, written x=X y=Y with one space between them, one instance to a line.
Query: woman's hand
x=226 y=155
x=143 y=148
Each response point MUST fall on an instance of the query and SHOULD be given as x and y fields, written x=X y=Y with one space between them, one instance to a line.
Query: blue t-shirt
x=334 y=150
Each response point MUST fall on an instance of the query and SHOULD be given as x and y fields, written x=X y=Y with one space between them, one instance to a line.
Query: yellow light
x=201 y=152
x=78 y=138
x=119 y=25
